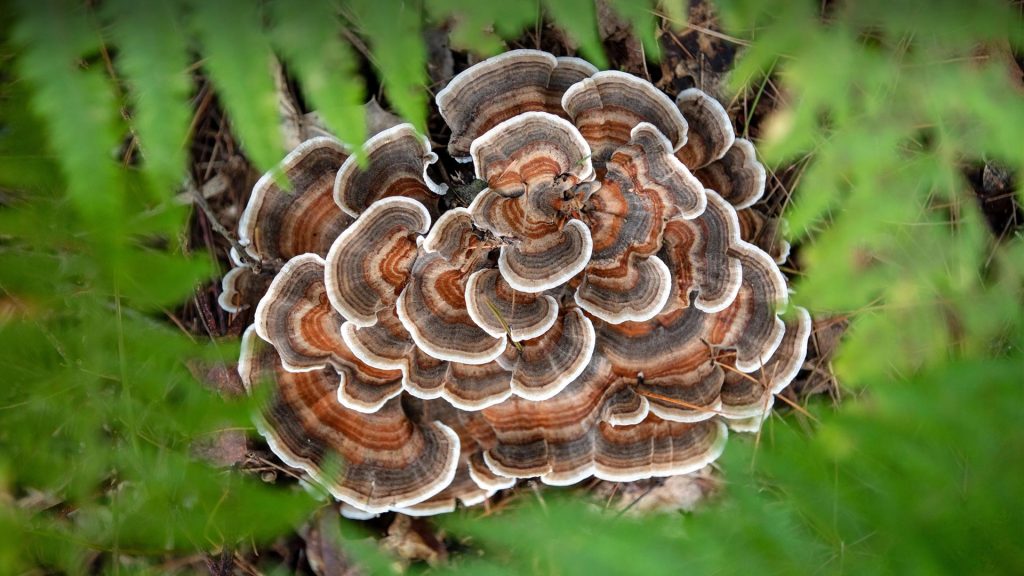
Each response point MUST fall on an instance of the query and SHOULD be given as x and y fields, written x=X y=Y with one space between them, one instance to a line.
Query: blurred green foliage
x=920 y=479
x=883 y=104
x=889 y=102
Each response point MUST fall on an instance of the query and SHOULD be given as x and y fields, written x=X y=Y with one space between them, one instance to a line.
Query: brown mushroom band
x=608 y=305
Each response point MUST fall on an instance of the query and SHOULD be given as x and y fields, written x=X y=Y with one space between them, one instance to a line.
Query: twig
x=203 y=205
x=798 y=408
x=682 y=403
x=635 y=500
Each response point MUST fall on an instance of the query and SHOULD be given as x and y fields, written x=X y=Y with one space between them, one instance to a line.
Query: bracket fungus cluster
x=601 y=308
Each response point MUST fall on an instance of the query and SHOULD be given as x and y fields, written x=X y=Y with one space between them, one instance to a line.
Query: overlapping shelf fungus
x=598 y=309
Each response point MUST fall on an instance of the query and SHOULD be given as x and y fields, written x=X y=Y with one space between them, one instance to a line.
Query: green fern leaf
x=393 y=30
x=481 y=27
x=308 y=37
x=238 y=58
x=75 y=100
x=641 y=15
x=579 y=18
x=153 y=58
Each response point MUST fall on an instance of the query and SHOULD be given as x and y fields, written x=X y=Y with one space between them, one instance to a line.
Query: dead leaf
x=411 y=540
x=663 y=495
x=324 y=549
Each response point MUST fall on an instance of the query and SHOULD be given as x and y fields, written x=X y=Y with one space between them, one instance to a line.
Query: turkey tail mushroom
x=375 y=462
x=608 y=304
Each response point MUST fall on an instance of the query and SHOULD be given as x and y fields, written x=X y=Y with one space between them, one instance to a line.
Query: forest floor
x=695 y=54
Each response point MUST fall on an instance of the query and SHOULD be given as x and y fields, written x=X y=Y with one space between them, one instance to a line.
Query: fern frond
x=74 y=97
x=579 y=18
x=238 y=58
x=481 y=27
x=393 y=30
x=308 y=37
x=153 y=57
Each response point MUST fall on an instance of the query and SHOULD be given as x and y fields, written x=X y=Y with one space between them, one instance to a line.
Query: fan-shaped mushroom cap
x=624 y=407
x=675 y=357
x=648 y=163
x=608 y=105
x=644 y=185
x=297 y=318
x=433 y=309
x=375 y=462
x=363 y=388
x=569 y=71
x=530 y=434
x=464 y=386
x=475 y=386
x=751 y=395
x=530 y=150
x=502 y=87
x=622 y=222
x=710 y=131
x=542 y=263
x=425 y=375
x=569 y=437
x=277 y=223
x=737 y=176
x=636 y=291
x=697 y=253
x=462 y=488
x=484 y=477
x=537 y=369
x=657 y=447
x=542 y=252
x=369 y=263
x=396 y=165
x=532 y=215
x=499 y=309
x=387 y=344
x=670 y=360
x=241 y=287
x=753 y=327
x=453 y=237
x=473 y=482
x=543 y=366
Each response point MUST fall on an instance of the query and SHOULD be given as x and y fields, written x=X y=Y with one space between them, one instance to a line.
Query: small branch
x=200 y=201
